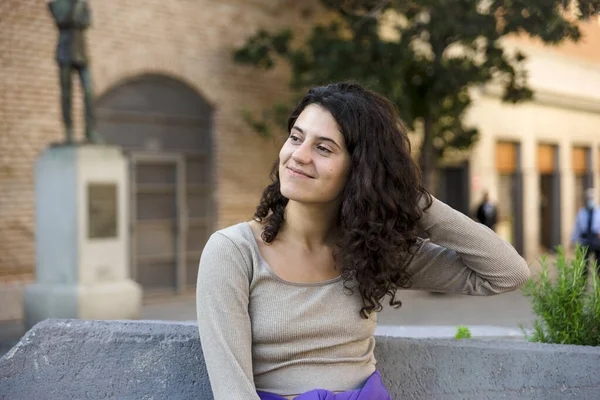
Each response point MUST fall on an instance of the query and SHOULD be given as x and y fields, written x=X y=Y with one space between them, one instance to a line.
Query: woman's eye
x=324 y=149
x=294 y=138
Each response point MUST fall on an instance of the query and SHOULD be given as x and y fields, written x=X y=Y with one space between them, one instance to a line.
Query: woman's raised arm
x=463 y=256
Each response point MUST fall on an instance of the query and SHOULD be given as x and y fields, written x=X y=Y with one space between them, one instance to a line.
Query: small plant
x=462 y=332
x=567 y=311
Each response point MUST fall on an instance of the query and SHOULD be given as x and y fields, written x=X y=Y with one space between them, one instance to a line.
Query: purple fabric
x=372 y=390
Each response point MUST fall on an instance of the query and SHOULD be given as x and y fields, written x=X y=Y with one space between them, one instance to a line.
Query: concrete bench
x=75 y=359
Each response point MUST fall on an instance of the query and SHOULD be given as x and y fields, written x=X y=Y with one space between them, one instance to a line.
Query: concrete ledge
x=76 y=359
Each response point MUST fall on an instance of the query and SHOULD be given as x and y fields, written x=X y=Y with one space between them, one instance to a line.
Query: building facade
x=169 y=93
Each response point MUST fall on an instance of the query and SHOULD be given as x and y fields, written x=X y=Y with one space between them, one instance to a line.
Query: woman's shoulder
x=234 y=235
x=234 y=242
x=229 y=251
x=234 y=232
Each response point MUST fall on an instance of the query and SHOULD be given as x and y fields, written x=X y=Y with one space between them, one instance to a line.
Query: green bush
x=567 y=311
x=462 y=332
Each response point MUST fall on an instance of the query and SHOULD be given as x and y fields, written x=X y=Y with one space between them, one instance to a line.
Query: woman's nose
x=302 y=154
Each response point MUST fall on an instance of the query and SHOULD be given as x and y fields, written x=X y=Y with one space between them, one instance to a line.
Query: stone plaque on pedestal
x=102 y=210
x=82 y=240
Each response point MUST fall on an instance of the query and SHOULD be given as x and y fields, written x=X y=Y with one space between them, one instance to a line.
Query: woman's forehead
x=316 y=120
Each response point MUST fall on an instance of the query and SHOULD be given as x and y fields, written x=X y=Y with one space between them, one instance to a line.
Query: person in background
x=487 y=213
x=587 y=227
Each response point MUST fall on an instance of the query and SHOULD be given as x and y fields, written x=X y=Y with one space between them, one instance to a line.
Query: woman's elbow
x=518 y=273
x=522 y=273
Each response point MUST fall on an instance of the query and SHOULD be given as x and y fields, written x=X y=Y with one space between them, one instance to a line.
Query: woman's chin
x=297 y=195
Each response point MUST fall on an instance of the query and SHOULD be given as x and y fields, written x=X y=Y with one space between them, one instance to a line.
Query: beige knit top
x=259 y=332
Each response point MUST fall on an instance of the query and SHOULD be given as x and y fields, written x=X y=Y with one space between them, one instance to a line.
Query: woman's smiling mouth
x=297 y=172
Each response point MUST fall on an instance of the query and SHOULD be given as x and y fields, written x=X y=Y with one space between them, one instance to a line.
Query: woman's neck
x=310 y=226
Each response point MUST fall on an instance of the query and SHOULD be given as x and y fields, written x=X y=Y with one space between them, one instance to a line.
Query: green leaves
x=462 y=332
x=568 y=312
x=259 y=48
x=274 y=117
x=587 y=8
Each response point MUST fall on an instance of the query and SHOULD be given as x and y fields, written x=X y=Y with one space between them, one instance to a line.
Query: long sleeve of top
x=224 y=323
x=463 y=256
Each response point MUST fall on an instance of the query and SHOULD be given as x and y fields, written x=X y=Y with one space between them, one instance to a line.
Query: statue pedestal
x=82 y=237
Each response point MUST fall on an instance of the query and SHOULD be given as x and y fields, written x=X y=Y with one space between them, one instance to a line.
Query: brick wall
x=187 y=40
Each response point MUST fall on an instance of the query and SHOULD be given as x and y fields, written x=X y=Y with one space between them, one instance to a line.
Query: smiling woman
x=287 y=303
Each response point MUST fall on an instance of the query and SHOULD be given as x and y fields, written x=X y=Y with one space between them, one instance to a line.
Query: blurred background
x=193 y=92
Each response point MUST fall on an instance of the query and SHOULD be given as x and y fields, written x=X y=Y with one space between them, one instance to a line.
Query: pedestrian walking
x=487 y=212
x=586 y=231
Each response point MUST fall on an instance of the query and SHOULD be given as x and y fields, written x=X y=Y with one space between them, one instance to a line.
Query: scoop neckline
x=277 y=277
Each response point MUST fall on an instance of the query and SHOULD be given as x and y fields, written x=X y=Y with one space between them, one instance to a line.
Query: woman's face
x=314 y=162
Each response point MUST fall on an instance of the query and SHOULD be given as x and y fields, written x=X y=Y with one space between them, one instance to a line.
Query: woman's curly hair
x=383 y=198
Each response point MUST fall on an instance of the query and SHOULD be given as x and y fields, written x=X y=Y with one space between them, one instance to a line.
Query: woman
x=287 y=302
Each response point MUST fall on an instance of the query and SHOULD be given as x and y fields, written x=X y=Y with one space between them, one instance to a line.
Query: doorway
x=157 y=220
x=454 y=187
x=165 y=129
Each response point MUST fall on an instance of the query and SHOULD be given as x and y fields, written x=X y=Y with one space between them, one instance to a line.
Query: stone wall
x=74 y=359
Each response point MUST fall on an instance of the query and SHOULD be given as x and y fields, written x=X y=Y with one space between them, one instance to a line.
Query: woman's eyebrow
x=322 y=138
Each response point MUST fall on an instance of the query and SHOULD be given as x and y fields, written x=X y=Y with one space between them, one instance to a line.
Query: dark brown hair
x=380 y=202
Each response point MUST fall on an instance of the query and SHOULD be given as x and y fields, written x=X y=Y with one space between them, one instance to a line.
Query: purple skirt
x=372 y=390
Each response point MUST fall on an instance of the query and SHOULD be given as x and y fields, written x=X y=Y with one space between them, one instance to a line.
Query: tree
x=425 y=55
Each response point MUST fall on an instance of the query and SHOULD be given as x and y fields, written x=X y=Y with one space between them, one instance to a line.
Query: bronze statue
x=72 y=18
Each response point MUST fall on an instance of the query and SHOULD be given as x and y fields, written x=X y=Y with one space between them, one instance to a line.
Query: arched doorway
x=165 y=129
